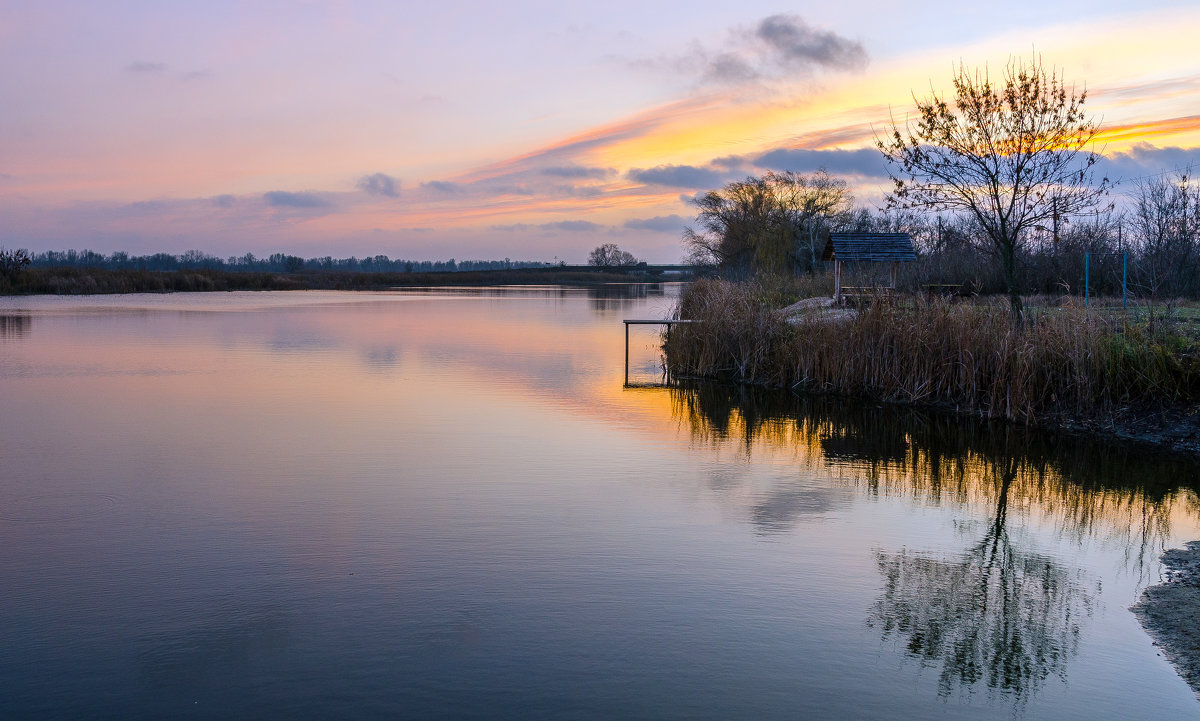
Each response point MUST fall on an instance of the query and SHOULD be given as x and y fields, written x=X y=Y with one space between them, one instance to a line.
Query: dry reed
x=968 y=357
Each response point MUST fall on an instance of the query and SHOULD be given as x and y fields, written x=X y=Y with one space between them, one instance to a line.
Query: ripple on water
x=57 y=507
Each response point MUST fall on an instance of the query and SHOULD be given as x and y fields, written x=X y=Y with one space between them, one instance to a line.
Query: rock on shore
x=1170 y=612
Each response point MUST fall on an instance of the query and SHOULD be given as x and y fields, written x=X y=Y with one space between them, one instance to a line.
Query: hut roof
x=869 y=246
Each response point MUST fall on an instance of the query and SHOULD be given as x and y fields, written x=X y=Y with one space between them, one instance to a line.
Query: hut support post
x=837 y=281
x=892 y=273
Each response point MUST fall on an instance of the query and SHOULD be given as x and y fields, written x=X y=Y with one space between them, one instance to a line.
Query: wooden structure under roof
x=891 y=248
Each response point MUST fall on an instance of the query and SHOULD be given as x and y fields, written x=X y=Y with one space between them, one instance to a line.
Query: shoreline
x=100 y=281
x=1071 y=372
x=1168 y=612
x=1173 y=430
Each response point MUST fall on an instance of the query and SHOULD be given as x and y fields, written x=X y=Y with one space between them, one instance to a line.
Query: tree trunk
x=1008 y=258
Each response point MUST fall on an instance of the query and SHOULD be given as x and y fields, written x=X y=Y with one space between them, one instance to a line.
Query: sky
x=532 y=130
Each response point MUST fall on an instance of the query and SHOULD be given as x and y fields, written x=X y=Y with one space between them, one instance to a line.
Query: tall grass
x=968 y=357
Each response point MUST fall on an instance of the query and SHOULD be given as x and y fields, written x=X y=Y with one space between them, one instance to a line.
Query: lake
x=446 y=503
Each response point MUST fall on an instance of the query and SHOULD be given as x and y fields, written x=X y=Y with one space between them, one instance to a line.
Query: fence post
x=1086 y=278
x=1124 y=274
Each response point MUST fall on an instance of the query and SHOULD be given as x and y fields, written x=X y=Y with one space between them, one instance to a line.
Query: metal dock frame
x=635 y=321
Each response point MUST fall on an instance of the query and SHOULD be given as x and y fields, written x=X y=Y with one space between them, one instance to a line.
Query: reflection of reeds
x=970 y=358
x=1083 y=488
x=15 y=325
x=998 y=614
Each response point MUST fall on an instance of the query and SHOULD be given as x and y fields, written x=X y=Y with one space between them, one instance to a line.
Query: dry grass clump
x=970 y=357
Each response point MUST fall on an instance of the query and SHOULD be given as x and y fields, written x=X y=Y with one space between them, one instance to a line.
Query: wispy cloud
x=779 y=46
x=379 y=184
x=577 y=171
x=658 y=224
x=570 y=226
x=1144 y=159
x=573 y=226
x=867 y=162
x=143 y=66
x=284 y=199
x=678 y=176
x=1149 y=90
x=1148 y=129
x=794 y=44
x=604 y=136
x=444 y=186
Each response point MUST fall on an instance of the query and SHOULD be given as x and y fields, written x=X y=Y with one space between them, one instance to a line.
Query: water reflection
x=216 y=652
x=1086 y=489
x=1001 y=614
x=997 y=614
x=15 y=326
x=621 y=296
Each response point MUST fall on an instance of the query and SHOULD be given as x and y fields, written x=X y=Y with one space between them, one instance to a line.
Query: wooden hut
x=890 y=248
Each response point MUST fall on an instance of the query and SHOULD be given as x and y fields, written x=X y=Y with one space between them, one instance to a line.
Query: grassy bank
x=1064 y=366
x=81 y=281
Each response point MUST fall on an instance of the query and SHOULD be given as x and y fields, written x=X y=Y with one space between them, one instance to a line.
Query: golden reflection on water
x=1084 y=489
x=999 y=613
x=315 y=429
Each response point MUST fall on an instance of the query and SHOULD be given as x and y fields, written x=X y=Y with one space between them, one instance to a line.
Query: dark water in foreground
x=444 y=504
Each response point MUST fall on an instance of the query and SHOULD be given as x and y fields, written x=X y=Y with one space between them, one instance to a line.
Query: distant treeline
x=64 y=280
x=274 y=263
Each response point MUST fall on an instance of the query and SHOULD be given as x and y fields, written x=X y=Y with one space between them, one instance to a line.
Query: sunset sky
x=528 y=129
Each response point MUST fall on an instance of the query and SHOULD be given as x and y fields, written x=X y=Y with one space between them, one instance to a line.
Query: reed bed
x=969 y=357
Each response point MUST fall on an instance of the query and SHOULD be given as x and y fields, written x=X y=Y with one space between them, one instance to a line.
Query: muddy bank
x=1173 y=429
x=1169 y=612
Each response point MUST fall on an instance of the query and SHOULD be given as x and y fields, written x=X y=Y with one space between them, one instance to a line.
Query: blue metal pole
x=1124 y=274
x=1086 y=278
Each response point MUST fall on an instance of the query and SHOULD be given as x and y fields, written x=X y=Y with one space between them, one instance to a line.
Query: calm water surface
x=445 y=504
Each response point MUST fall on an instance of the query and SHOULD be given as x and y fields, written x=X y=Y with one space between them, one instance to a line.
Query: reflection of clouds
x=295 y=341
x=1084 y=489
x=783 y=507
x=621 y=296
x=381 y=358
x=723 y=478
x=1001 y=615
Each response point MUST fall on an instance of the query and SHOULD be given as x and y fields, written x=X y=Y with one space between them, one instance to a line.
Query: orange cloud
x=1129 y=133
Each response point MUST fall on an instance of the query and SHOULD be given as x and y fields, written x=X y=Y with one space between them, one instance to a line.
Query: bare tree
x=611 y=255
x=1012 y=156
x=1166 y=221
x=771 y=223
x=12 y=262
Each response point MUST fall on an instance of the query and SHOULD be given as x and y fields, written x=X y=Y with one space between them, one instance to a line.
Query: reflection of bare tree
x=15 y=326
x=1085 y=489
x=998 y=614
x=619 y=296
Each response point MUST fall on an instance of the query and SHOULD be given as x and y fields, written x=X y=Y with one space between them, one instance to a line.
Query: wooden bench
x=856 y=294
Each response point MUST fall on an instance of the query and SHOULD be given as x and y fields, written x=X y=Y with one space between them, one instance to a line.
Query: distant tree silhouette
x=12 y=262
x=769 y=224
x=1166 y=219
x=611 y=255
